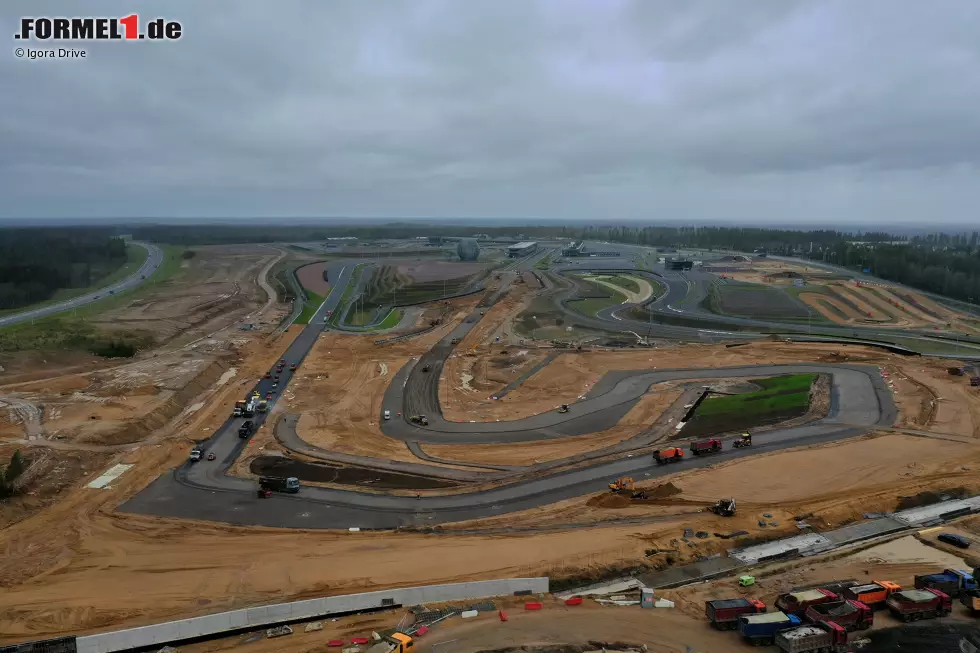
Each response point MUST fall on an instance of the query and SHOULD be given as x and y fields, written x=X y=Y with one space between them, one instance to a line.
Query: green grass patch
x=348 y=292
x=780 y=398
x=310 y=307
x=593 y=305
x=544 y=263
x=624 y=282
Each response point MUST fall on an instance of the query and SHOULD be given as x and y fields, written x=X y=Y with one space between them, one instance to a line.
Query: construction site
x=512 y=423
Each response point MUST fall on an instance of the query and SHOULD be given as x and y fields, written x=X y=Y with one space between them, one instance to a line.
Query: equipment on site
x=289 y=485
x=239 y=408
x=195 y=454
x=563 y=408
x=393 y=643
x=454 y=341
x=724 y=508
x=245 y=429
x=211 y=455
x=724 y=613
x=292 y=368
x=745 y=581
x=426 y=368
x=622 y=484
x=706 y=446
x=744 y=441
x=672 y=455
x=912 y=605
x=419 y=419
x=262 y=406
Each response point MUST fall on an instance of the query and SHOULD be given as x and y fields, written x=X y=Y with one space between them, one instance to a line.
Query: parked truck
x=971 y=599
x=872 y=594
x=245 y=429
x=263 y=406
x=951 y=582
x=724 y=613
x=278 y=484
x=672 y=455
x=761 y=629
x=912 y=605
x=824 y=637
x=706 y=446
x=797 y=603
x=196 y=454
x=849 y=614
x=239 y=410
x=394 y=643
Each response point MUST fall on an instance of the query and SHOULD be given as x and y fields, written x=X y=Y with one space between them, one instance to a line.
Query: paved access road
x=204 y=491
x=153 y=261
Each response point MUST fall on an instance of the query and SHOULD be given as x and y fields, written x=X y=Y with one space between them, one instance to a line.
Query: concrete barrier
x=270 y=615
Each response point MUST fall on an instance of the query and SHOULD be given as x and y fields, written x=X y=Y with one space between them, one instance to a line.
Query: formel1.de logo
x=127 y=28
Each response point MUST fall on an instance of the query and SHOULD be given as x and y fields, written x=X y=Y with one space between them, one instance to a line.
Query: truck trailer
x=825 y=637
x=872 y=594
x=724 y=613
x=912 y=605
x=971 y=599
x=761 y=629
x=951 y=582
x=672 y=455
x=849 y=614
x=277 y=484
x=705 y=446
x=797 y=603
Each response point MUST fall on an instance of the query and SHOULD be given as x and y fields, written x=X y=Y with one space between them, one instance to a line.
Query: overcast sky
x=858 y=111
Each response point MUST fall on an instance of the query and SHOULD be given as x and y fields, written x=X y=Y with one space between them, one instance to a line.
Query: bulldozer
x=622 y=484
x=419 y=419
x=563 y=408
x=724 y=508
x=744 y=441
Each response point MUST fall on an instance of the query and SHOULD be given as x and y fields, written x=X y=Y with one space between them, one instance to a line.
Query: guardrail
x=225 y=623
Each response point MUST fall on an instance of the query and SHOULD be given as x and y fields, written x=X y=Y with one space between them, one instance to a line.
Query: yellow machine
x=622 y=484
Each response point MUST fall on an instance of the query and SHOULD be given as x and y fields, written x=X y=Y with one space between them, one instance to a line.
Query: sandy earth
x=423 y=271
x=818 y=300
x=647 y=410
x=646 y=290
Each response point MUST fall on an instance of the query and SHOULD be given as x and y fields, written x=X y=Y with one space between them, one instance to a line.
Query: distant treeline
x=35 y=263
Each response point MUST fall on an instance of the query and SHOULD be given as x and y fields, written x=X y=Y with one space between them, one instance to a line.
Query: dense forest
x=35 y=263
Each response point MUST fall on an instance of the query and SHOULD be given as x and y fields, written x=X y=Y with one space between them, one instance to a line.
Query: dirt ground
x=311 y=277
x=422 y=271
x=646 y=411
x=214 y=290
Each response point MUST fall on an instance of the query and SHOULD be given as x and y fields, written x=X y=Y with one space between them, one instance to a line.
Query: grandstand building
x=522 y=249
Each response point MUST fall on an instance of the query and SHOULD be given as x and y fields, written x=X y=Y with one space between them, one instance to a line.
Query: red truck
x=797 y=603
x=872 y=594
x=724 y=613
x=672 y=455
x=705 y=446
x=825 y=637
x=850 y=615
x=912 y=605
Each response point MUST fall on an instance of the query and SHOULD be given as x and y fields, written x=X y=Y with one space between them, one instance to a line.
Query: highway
x=859 y=401
x=153 y=261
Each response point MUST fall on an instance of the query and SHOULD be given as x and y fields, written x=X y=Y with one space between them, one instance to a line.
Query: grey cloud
x=605 y=109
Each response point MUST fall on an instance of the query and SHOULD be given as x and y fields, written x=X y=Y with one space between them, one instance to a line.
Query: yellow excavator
x=622 y=484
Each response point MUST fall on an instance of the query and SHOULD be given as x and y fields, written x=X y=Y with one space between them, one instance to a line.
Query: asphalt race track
x=153 y=261
x=859 y=401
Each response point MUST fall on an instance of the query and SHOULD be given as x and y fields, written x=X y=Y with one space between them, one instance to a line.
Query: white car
x=387 y=414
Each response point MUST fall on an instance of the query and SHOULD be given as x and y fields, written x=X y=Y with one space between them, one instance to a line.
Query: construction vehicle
x=848 y=614
x=671 y=455
x=245 y=429
x=263 y=406
x=955 y=371
x=706 y=446
x=951 y=582
x=824 y=637
x=239 y=408
x=393 y=643
x=971 y=599
x=419 y=419
x=912 y=605
x=563 y=408
x=292 y=367
x=724 y=613
x=724 y=508
x=426 y=368
x=622 y=484
x=872 y=594
x=975 y=381
x=797 y=603
x=744 y=441
x=761 y=629
x=196 y=454
x=278 y=484
x=454 y=341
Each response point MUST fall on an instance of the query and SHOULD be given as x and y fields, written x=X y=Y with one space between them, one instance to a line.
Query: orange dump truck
x=872 y=594
x=672 y=455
